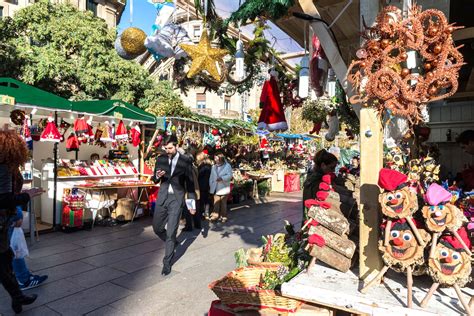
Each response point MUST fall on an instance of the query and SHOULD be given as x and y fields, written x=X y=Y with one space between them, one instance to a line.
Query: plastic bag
x=18 y=243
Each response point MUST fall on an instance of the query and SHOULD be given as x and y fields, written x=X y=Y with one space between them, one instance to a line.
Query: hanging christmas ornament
x=81 y=129
x=107 y=133
x=121 y=132
x=263 y=143
x=26 y=133
x=239 y=60
x=72 y=143
x=204 y=57
x=50 y=133
x=318 y=67
x=62 y=128
x=303 y=86
x=121 y=51
x=135 y=135
x=132 y=41
x=272 y=116
x=17 y=117
x=164 y=11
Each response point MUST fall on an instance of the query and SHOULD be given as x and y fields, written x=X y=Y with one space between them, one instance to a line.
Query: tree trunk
x=332 y=258
x=338 y=243
x=330 y=218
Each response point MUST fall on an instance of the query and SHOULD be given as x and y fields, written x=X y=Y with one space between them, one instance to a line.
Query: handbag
x=18 y=243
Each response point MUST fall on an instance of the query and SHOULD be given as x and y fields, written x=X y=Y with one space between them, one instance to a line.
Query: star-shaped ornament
x=204 y=57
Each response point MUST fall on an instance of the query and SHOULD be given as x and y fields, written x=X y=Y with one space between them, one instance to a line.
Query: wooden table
x=130 y=193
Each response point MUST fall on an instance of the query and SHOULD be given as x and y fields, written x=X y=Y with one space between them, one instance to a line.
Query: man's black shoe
x=166 y=270
x=187 y=229
x=23 y=300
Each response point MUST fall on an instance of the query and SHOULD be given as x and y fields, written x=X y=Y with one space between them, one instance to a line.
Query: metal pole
x=55 y=171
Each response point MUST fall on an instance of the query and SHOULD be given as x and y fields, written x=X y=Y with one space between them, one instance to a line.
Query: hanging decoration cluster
x=406 y=63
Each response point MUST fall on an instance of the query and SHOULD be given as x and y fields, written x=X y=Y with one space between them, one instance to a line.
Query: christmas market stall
x=78 y=150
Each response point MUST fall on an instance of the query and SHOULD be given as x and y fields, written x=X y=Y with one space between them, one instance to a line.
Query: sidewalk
x=117 y=270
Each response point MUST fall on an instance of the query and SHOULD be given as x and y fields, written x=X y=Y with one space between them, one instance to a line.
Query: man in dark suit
x=174 y=173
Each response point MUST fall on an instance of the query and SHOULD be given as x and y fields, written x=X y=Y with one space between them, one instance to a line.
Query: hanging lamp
x=239 y=60
x=303 y=86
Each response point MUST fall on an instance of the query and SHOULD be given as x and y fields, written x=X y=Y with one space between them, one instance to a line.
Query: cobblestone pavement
x=117 y=270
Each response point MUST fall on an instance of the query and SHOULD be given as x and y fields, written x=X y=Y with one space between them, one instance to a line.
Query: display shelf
x=331 y=288
x=97 y=177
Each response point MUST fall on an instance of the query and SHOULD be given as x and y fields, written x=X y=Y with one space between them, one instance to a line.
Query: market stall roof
x=294 y=136
x=223 y=124
x=113 y=108
x=30 y=97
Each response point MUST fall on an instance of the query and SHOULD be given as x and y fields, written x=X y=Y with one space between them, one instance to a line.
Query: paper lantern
x=133 y=41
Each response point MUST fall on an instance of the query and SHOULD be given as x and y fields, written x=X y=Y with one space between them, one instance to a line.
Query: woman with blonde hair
x=219 y=184
x=13 y=154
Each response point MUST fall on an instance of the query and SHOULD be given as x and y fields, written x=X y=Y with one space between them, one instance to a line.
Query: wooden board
x=341 y=244
x=330 y=288
x=331 y=257
x=331 y=218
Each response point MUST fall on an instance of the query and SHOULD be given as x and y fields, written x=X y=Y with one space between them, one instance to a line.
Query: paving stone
x=56 y=249
x=139 y=262
x=55 y=260
x=109 y=257
x=65 y=270
x=95 y=277
x=40 y=311
x=89 y=300
x=110 y=311
x=46 y=293
x=145 y=303
x=143 y=279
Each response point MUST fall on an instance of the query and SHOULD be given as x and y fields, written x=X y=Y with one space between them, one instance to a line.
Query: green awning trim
x=31 y=97
x=113 y=108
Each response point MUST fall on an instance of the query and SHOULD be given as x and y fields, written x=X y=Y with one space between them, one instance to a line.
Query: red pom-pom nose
x=397 y=241
x=394 y=202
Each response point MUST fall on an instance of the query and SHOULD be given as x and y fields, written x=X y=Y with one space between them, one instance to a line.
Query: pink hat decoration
x=436 y=195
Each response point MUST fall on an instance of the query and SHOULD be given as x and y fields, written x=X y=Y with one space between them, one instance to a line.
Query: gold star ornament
x=204 y=57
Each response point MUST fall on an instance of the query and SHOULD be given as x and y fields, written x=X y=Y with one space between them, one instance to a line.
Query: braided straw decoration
x=378 y=75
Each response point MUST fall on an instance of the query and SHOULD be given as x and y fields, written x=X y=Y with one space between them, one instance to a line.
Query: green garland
x=266 y=9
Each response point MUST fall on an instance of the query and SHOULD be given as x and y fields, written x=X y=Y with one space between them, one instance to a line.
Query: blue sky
x=144 y=15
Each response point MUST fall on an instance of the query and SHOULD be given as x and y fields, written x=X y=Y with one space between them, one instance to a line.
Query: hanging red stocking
x=135 y=135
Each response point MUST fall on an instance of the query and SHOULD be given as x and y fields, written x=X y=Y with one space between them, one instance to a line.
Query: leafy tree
x=161 y=100
x=68 y=52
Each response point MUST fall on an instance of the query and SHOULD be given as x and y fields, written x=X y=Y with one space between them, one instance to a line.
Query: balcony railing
x=207 y=112
x=229 y=114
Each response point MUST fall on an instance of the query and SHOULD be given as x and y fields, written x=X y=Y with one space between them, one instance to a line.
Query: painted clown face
x=402 y=245
x=399 y=203
x=440 y=217
x=450 y=266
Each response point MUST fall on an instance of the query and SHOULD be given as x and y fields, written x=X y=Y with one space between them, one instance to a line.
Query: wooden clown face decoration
x=450 y=265
x=398 y=201
x=402 y=249
x=440 y=214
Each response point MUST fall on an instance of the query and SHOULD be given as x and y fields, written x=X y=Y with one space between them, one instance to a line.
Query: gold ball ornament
x=437 y=49
x=432 y=90
x=204 y=57
x=405 y=72
x=404 y=56
x=427 y=66
x=133 y=41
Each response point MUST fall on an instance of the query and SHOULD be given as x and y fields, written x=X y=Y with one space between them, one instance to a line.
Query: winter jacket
x=224 y=172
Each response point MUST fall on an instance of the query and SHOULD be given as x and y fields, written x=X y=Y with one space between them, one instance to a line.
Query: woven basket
x=237 y=290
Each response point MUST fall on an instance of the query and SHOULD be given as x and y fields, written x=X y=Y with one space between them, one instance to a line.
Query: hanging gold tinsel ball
x=133 y=41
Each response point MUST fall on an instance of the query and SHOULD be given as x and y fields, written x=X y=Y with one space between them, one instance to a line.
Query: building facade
x=108 y=10
x=236 y=106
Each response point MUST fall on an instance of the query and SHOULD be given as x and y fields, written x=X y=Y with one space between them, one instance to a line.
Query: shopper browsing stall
x=219 y=183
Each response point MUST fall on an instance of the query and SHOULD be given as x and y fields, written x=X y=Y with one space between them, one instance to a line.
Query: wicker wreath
x=381 y=75
x=17 y=117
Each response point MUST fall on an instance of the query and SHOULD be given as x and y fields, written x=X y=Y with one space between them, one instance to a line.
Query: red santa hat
x=453 y=242
x=121 y=132
x=272 y=116
x=390 y=179
x=50 y=133
x=72 y=143
x=135 y=135
x=263 y=143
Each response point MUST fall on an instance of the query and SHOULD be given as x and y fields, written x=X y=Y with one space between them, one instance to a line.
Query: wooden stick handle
x=455 y=233
x=428 y=296
x=471 y=303
x=415 y=231
x=311 y=264
x=309 y=221
x=433 y=244
x=377 y=278
x=463 y=301
x=150 y=145
x=387 y=232
x=409 y=287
